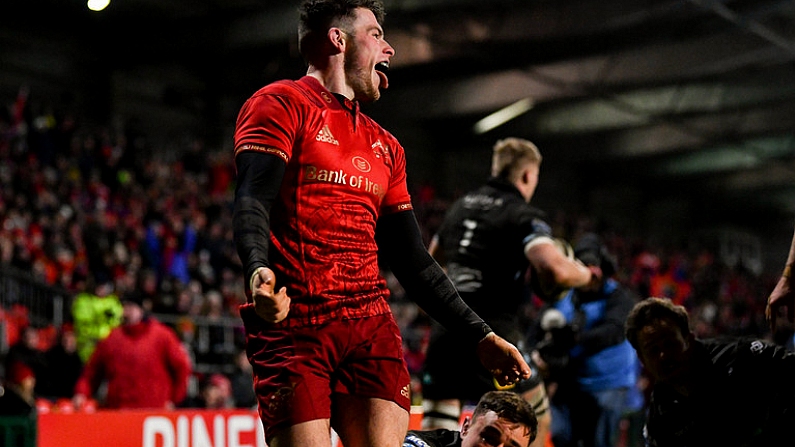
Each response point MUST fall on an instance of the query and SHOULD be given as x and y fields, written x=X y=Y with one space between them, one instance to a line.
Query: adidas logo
x=406 y=391
x=325 y=136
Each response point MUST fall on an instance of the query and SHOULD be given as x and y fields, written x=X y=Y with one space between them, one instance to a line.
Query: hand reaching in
x=502 y=359
x=271 y=306
x=783 y=295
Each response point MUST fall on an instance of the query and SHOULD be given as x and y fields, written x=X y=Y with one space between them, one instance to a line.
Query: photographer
x=586 y=357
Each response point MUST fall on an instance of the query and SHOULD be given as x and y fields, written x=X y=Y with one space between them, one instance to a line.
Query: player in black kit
x=501 y=418
x=487 y=241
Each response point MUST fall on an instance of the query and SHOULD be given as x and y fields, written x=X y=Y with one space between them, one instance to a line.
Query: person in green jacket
x=94 y=316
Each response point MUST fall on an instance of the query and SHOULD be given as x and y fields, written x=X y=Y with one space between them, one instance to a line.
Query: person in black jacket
x=732 y=392
x=64 y=367
x=501 y=418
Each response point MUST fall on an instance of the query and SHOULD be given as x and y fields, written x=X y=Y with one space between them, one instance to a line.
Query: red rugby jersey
x=343 y=171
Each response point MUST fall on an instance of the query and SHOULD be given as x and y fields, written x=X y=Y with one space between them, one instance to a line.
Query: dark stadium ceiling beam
x=667 y=64
x=639 y=107
x=753 y=153
x=749 y=23
x=455 y=22
x=671 y=135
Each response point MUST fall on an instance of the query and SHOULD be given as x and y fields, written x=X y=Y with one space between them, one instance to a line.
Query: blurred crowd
x=99 y=212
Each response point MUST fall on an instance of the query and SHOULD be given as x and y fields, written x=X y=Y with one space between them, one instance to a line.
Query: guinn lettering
x=340 y=177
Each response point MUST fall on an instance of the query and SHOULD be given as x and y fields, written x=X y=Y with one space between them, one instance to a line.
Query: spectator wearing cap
x=18 y=397
x=143 y=362
x=215 y=393
x=27 y=351
x=602 y=369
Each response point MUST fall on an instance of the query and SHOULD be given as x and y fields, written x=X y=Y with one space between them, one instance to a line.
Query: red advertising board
x=151 y=429
x=201 y=428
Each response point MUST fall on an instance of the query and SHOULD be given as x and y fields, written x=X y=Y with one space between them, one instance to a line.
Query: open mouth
x=381 y=68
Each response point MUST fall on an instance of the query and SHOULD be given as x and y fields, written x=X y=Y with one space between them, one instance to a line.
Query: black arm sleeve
x=401 y=247
x=259 y=177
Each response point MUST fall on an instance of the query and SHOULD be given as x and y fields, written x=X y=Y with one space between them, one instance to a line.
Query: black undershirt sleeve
x=400 y=246
x=259 y=177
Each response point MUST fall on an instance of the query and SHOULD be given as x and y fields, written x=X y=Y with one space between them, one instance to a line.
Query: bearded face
x=360 y=74
x=367 y=55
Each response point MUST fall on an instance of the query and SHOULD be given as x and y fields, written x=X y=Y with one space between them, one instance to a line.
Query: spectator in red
x=18 y=397
x=27 y=350
x=143 y=362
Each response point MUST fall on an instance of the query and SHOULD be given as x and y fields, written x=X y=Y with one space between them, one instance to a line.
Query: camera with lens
x=559 y=337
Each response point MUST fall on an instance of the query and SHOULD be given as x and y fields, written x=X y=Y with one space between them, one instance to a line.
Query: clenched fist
x=271 y=306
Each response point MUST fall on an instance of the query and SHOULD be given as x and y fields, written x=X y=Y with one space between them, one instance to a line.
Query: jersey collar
x=332 y=100
x=504 y=185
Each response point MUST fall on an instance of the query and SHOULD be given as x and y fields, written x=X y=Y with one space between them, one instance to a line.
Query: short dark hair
x=653 y=309
x=509 y=406
x=316 y=17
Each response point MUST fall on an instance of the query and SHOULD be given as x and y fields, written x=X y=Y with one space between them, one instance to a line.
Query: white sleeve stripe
x=533 y=240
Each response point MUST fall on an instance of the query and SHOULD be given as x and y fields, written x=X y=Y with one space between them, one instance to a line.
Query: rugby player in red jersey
x=321 y=191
